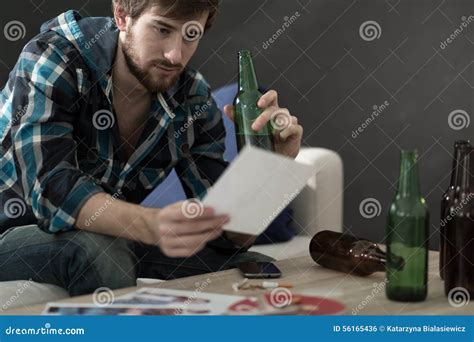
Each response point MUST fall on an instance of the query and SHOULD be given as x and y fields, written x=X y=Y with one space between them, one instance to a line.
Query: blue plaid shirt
x=60 y=143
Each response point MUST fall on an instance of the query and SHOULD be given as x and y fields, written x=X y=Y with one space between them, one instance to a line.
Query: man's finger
x=263 y=118
x=191 y=241
x=270 y=98
x=196 y=227
x=187 y=210
x=293 y=130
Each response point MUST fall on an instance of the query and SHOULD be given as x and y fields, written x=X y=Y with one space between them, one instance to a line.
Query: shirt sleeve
x=43 y=143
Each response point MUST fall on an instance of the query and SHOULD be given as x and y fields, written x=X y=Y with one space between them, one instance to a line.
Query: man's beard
x=142 y=75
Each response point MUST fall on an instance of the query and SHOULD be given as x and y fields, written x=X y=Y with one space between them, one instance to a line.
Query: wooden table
x=362 y=296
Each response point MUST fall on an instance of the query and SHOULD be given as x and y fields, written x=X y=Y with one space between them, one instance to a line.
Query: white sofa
x=317 y=207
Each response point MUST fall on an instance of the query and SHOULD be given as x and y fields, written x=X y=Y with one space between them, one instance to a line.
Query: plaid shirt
x=60 y=143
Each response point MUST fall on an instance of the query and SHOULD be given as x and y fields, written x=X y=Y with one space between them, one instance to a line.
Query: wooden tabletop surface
x=361 y=295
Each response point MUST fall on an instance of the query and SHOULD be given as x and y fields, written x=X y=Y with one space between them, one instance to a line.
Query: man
x=87 y=127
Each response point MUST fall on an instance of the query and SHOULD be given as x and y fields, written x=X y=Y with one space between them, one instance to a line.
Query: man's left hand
x=288 y=132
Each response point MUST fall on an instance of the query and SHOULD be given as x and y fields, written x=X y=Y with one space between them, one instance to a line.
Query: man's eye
x=162 y=31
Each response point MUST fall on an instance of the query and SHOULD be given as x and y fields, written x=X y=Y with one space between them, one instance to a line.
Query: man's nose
x=173 y=53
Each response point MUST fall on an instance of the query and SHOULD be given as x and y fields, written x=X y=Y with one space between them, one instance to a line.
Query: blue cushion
x=171 y=190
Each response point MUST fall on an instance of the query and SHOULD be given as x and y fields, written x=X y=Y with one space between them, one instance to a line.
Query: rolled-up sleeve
x=43 y=138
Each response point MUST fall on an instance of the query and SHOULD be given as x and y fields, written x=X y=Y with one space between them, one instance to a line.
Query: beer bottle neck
x=247 y=77
x=409 y=182
x=460 y=148
x=378 y=261
x=464 y=170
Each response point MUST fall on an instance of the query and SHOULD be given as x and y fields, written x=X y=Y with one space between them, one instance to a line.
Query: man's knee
x=101 y=260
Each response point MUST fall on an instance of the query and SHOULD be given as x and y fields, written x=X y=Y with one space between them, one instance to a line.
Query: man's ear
x=120 y=18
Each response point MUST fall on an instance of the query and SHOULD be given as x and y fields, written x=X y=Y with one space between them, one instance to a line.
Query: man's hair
x=175 y=9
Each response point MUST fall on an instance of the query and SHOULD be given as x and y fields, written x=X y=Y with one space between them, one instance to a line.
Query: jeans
x=81 y=261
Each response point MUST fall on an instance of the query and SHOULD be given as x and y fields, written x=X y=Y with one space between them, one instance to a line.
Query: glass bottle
x=459 y=247
x=246 y=109
x=348 y=254
x=460 y=147
x=407 y=236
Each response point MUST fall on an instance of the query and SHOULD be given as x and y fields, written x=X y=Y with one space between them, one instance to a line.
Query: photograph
x=91 y=310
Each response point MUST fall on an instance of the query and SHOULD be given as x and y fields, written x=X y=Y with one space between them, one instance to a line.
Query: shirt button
x=185 y=149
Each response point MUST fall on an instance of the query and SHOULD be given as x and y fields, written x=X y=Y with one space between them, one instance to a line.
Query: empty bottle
x=459 y=230
x=407 y=236
x=348 y=254
x=460 y=148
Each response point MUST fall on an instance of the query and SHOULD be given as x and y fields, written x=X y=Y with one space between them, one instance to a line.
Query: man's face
x=156 y=50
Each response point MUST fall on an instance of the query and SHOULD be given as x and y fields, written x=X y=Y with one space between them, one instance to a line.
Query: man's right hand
x=179 y=233
x=180 y=230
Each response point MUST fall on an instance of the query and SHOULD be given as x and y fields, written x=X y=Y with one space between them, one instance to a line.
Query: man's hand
x=288 y=132
x=181 y=234
x=180 y=230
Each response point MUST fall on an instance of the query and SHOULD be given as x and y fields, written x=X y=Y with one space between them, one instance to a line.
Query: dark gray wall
x=331 y=78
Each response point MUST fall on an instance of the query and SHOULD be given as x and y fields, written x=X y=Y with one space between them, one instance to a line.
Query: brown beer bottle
x=459 y=246
x=460 y=148
x=348 y=254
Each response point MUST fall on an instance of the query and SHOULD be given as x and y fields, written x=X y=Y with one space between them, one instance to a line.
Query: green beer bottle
x=407 y=236
x=246 y=109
